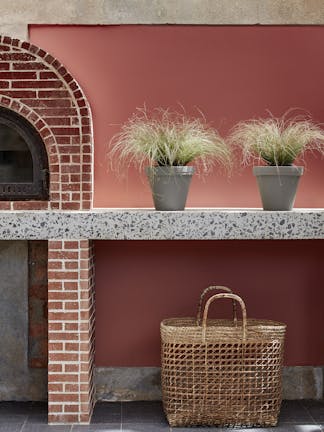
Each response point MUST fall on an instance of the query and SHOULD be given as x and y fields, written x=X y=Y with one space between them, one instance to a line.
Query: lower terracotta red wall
x=138 y=283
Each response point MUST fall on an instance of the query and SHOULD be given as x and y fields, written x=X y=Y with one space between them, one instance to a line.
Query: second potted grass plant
x=277 y=142
x=166 y=143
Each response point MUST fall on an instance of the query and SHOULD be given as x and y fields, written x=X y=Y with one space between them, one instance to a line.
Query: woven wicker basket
x=221 y=372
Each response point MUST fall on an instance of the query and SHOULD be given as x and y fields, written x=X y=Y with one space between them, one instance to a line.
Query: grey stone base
x=143 y=383
x=128 y=384
x=303 y=382
x=18 y=382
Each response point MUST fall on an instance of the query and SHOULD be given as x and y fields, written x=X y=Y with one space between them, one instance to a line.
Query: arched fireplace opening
x=24 y=172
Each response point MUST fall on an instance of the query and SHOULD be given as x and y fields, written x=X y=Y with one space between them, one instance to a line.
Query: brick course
x=37 y=86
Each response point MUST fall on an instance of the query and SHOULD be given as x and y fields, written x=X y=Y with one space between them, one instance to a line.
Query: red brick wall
x=37 y=86
x=71 y=331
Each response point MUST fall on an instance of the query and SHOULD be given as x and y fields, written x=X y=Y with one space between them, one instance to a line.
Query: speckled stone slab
x=142 y=224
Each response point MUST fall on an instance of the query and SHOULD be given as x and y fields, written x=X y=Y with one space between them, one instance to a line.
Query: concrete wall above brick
x=15 y=17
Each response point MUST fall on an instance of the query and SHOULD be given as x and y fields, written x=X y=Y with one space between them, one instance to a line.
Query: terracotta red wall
x=231 y=73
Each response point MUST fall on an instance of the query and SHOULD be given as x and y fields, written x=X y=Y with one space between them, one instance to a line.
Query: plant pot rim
x=291 y=170
x=170 y=170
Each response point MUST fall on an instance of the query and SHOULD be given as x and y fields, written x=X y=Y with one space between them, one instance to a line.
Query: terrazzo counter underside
x=197 y=224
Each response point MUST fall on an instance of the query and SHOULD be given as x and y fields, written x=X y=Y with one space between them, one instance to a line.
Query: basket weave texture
x=222 y=372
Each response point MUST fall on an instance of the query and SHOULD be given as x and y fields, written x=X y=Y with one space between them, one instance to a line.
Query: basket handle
x=215 y=288
x=234 y=297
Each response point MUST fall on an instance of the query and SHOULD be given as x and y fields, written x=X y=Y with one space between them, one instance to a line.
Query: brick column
x=70 y=331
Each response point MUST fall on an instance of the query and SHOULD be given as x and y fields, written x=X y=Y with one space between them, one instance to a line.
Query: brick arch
x=51 y=149
x=37 y=86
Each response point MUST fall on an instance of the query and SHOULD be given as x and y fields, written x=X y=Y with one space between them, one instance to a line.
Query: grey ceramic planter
x=170 y=185
x=278 y=185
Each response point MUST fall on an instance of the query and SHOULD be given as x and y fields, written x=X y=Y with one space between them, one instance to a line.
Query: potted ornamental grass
x=275 y=144
x=170 y=146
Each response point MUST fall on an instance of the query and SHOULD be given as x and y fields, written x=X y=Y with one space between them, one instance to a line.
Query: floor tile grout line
x=296 y=423
x=309 y=413
x=121 y=416
x=23 y=425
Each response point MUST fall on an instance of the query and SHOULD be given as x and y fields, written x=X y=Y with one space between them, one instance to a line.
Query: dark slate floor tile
x=37 y=418
x=37 y=427
x=113 y=427
x=307 y=428
x=107 y=412
x=282 y=428
x=199 y=429
x=285 y=428
x=10 y=427
x=12 y=418
x=315 y=409
x=296 y=416
x=294 y=412
x=143 y=412
x=147 y=427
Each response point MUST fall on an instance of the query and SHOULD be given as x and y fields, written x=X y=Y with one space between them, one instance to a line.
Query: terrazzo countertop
x=148 y=224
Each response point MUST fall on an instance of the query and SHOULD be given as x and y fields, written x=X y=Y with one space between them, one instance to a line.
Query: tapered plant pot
x=170 y=186
x=278 y=185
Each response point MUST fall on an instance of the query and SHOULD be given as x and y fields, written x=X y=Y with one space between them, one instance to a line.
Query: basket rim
x=179 y=322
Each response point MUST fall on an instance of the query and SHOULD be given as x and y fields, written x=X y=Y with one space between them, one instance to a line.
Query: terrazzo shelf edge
x=148 y=224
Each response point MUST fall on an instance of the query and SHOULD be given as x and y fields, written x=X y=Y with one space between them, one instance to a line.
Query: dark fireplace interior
x=23 y=159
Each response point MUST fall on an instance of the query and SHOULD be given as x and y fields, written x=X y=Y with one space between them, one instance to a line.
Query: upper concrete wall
x=15 y=16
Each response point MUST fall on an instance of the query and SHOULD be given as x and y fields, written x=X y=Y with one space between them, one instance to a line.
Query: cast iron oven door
x=23 y=160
